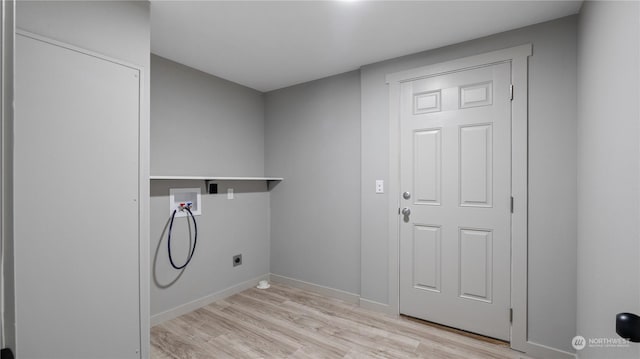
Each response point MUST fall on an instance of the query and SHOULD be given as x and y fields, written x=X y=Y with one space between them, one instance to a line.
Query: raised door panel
x=427 y=166
x=476 y=170
x=476 y=264
x=426 y=257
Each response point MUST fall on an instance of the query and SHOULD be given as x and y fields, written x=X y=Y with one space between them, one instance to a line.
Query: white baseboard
x=334 y=293
x=206 y=300
x=376 y=307
x=540 y=351
x=327 y=291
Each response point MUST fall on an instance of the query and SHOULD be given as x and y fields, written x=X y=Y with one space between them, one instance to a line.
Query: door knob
x=406 y=195
x=406 y=211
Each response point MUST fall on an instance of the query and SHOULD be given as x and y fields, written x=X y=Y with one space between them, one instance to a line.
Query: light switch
x=379 y=186
x=229 y=193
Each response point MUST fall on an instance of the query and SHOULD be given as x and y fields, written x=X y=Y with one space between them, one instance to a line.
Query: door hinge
x=511 y=204
x=511 y=92
x=510 y=315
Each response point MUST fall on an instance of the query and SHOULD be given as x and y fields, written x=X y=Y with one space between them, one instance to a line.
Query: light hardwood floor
x=287 y=322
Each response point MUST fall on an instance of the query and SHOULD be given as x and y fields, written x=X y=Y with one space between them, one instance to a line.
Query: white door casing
x=455 y=171
x=518 y=57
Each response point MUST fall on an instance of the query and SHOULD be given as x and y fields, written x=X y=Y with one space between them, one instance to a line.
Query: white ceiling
x=268 y=45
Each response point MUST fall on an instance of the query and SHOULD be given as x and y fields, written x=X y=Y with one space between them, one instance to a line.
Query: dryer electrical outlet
x=178 y=196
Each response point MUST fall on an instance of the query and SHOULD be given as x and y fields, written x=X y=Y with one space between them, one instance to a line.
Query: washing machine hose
x=195 y=238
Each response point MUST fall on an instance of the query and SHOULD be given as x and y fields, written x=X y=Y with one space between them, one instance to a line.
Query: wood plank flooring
x=287 y=322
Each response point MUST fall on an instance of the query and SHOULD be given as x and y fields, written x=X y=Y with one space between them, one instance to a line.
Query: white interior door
x=76 y=204
x=455 y=166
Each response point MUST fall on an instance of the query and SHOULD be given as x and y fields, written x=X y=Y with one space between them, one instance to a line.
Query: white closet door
x=76 y=204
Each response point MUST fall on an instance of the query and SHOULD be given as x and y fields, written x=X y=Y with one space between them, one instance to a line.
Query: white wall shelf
x=269 y=180
x=206 y=178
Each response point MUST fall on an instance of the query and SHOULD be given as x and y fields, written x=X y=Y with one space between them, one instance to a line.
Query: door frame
x=518 y=56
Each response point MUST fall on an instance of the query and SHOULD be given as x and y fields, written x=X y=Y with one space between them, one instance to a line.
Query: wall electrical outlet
x=379 y=186
x=229 y=193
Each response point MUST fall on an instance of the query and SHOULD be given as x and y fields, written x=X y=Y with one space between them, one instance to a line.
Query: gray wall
x=225 y=228
x=204 y=125
x=552 y=172
x=313 y=141
x=7 y=29
x=608 y=171
x=118 y=29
